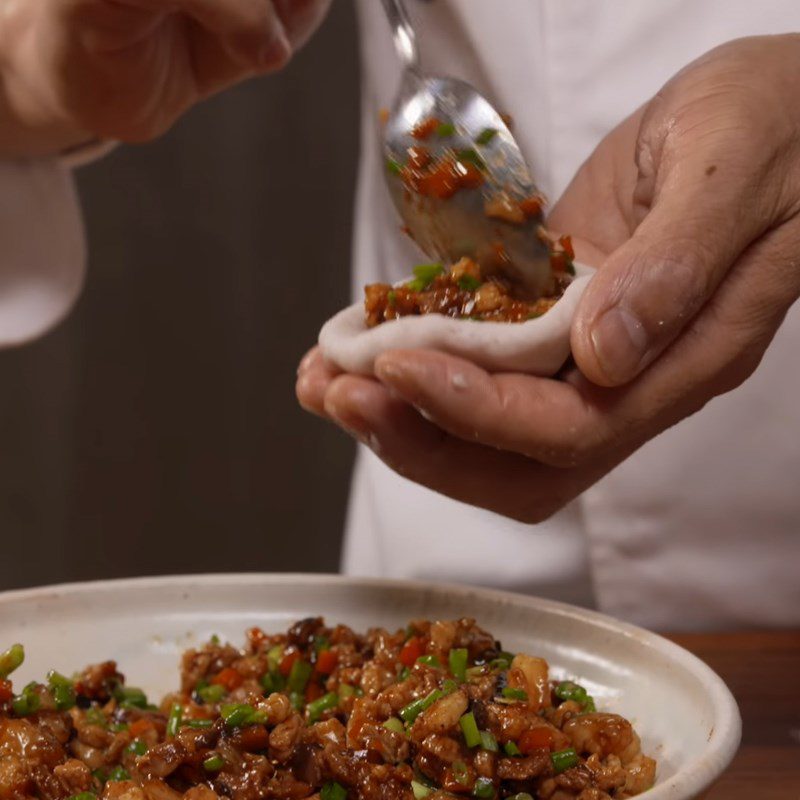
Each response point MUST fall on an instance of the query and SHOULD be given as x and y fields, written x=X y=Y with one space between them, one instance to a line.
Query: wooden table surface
x=763 y=672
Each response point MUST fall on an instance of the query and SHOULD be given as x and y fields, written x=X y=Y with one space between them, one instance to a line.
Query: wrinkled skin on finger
x=128 y=69
x=690 y=210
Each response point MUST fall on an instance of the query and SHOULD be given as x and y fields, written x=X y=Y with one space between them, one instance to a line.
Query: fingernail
x=306 y=362
x=620 y=344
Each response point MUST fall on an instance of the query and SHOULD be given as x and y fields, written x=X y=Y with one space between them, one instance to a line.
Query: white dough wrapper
x=539 y=346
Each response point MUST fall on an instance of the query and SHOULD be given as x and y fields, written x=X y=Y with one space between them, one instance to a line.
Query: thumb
x=702 y=199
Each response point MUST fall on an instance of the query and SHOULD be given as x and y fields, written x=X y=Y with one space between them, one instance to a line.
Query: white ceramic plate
x=539 y=346
x=687 y=718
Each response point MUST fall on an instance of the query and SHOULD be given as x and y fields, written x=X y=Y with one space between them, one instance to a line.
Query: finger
x=507 y=483
x=314 y=376
x=705 y=197
x=301 y=18
x=251 y=31
x=725 y=343
x=546 y=420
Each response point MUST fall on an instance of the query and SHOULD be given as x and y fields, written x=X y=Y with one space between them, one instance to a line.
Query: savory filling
x=437 y=711
x=463 y=292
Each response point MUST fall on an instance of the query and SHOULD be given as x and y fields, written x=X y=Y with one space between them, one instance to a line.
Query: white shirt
x=700 y=527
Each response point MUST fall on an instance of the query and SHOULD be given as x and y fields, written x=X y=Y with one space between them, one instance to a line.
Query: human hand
x=74 y=70
x=691 y=209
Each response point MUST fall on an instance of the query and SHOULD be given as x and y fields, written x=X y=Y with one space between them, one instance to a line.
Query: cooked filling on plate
x=437 y=711
x=463 y=292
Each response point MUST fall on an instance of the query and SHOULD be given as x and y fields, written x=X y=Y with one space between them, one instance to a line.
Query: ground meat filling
x=461 y=292
x=436 y=710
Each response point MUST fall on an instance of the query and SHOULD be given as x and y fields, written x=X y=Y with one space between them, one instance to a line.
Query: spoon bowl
x=446 y=121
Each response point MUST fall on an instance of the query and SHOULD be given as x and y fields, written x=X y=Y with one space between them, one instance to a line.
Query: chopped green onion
x=458 y=657
x=503 y=661
x=214 y=763
x=299 y=675
x=483 y=788
x=424 y=275
x=428 y=272
x=64 y=697
x=472 y=157
x=534 y=315
x=118 y=727
x=174 y=719
x=118 y=774
x=449 y=686
x=391 y=298
x=137 y=747
x=62 y=690
x=11 y=659
x=512 y=749
x=506 y=655
x=298 y=700
x=460 y=773
x=28 y=701
x=564 y=760
x=215 y=640
x=130 y=697
x=198 y=724
x=273 y=682
x=345 y=691
x=472 y=736
x=211 y=694
x=274 y=656
x=395 y=725
x=429 y=661
x=488 y=742
x=99 y=775
x=333 y=791
x=317 y=707
x=486 y=136
x=83 y=796
x=445 y=130
x=410 y=712
x=475 y=672
x=520 y=796
x=569 y=690
x=570 y=267
x=468 y=283
x=404 y=674
x=57 y=679
x=237 y=715
x=510 y=693
x=420 y=790
x=394 y=167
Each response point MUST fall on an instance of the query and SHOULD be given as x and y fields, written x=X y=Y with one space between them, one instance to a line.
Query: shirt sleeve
x=42 y=248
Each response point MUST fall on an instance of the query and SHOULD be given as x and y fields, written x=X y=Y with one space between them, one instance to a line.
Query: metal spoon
x=447 y=229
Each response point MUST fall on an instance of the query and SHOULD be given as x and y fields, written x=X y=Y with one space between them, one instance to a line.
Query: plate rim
x=694 y=776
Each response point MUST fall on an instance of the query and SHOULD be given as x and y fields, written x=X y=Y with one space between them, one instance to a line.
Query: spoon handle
x=405 y=40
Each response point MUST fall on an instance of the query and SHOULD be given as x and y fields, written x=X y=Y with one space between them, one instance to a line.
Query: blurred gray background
x=156 y=431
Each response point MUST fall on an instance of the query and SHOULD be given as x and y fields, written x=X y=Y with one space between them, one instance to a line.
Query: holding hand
x=127 y=69
x=691 y=208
